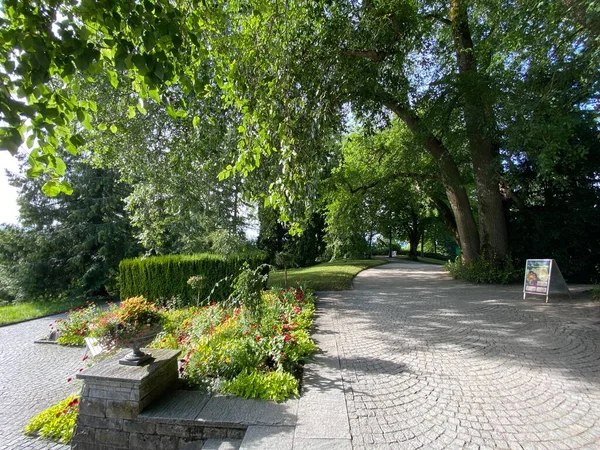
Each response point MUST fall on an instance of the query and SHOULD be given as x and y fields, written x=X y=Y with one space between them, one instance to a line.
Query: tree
x=298 y=249
x=291 y=70
x=176 y=202
x=384 y=185
x=68 y=244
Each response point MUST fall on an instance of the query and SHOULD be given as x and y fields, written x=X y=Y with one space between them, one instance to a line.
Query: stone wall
x=112 y=397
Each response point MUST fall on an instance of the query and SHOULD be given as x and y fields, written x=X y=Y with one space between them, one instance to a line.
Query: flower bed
x=74 y=329
x=254 y=347
x=255 y=350
x=253 y=353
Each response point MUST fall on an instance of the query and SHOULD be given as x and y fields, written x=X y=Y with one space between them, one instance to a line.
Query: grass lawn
x=18 y=312
x=431 y=261
x=330 y=276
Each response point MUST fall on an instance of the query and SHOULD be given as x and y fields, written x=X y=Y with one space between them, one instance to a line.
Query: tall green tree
x=289 y=69
x=172 y=163
x=374 y=194
x=68 y=244
x=298 y=249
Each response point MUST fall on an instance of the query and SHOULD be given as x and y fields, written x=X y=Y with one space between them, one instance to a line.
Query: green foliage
x=223 y=343
x=76 y=327
x=176 y=203
x=596 y=292
x=301 y=249
x=167 y=276
x=56 y=422
x=331 y=276
x=197 y=283
x=284 y=82
x=483 y=271
x=385 y=186
x=68 y=245
x=247 y=287
x=276 y=386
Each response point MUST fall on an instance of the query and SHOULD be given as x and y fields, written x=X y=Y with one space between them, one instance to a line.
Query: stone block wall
x=112 y=397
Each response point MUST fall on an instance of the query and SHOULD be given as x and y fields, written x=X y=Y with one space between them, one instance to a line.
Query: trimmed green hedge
x=164 y=277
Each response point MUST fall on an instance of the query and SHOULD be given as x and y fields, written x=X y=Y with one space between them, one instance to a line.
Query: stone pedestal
x=114 y=394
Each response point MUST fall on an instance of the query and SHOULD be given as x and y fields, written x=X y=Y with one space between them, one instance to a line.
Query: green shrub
x=56 y=422
x=247 y=287
x=484 y=272
x=275 y=386
x=167 y=276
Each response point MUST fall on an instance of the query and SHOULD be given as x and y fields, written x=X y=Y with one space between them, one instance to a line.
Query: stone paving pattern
x=429 y=362
x=410 y=359
x=32 y=378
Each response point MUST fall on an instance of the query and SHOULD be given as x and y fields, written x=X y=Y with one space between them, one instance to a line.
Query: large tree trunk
x=480 y=126
x=414 y=234
x=455 y=190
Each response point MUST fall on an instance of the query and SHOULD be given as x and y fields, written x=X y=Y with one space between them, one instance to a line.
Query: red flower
x=257 y=338
x=287 y=337
x=75 y=401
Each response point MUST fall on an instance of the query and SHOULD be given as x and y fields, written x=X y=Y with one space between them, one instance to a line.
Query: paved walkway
x=32 y=377
x=410 y=359
x=428 y=362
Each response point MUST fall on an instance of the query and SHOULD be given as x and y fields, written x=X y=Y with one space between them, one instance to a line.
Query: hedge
x=162 y=277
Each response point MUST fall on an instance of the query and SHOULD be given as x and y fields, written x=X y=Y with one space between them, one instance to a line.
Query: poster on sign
x=542 y=276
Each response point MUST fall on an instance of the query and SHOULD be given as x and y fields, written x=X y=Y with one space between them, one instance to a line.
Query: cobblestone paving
x=429 y=362
x=32 y=377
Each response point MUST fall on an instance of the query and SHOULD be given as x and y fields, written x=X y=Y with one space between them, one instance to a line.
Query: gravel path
x=428 y=362
x=32 y=377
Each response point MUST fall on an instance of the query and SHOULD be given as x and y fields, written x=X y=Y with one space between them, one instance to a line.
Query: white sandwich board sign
x=543 y=277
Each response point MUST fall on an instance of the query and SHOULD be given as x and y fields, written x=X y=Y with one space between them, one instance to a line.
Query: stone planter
x=137 y=357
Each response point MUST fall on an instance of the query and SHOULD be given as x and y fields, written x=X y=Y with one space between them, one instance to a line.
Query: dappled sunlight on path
x=429 y=361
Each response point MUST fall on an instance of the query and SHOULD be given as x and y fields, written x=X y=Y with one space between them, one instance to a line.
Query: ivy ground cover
x=250 y=352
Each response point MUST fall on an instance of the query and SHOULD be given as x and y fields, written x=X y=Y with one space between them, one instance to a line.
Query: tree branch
x=366 y=187
x=439 y=19
x=373 y=55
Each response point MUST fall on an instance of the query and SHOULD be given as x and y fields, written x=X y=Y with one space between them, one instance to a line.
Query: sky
x=9 y=211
